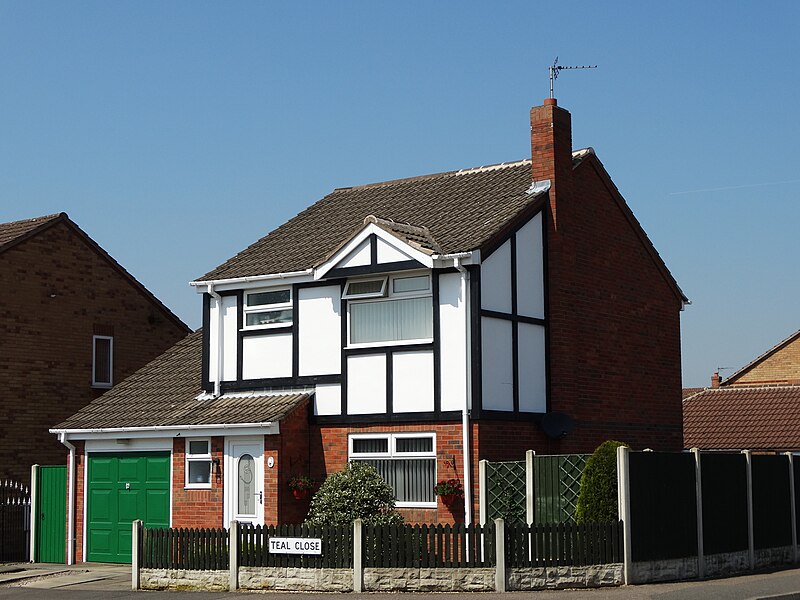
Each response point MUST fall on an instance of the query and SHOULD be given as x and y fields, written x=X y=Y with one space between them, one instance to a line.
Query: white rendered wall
x=530 y=269
x=366 y=384
x=358 y=257
x=412 y=382
x=267 y=356
x=229 y=334
x=453 y=342
x=388 y=253
x=532 y=374
x=496 y=280
x=328 y=399
x=498 y=373
x=320 y=335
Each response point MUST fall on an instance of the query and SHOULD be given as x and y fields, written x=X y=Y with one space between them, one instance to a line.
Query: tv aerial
x=556 y=68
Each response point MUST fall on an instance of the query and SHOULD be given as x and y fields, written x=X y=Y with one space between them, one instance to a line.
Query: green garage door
x=123 y=487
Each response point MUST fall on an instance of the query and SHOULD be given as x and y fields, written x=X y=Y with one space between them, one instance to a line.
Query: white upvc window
x=198 y=463
x=102 y=361
x=365 y=288
x=268 y=308
x=403 y=316
x=407 y=461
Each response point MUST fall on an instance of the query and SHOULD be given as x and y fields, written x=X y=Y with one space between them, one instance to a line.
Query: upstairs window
x=405 y=315
x=407 y=461
x=102 y=361
x=365 y=288
x=268 y=308
x=198 y=463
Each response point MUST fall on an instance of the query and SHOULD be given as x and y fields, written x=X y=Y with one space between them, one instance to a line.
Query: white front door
x=244 y=480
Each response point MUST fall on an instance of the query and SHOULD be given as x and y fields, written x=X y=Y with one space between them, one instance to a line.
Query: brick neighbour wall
x=294 y=459
x=197 y=507
x=79 y=497
x=46 y=342
x=781 y=367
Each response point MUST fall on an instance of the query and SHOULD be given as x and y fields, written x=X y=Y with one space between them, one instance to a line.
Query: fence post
x=483 y=492
x=624 y=505
x=136 y=527
x=358 y=561
x=750 y=537
x=792 y=506
x=233 y=556
x=34 y=509
x=500 y=555
x=529 y=491
x=698 y=482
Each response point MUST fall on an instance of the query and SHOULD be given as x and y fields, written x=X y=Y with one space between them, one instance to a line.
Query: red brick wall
x=197 y=507
x=46 y=342
x=295 y=456
x=79 y=498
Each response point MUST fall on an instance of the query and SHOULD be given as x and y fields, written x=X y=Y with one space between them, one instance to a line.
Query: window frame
x=190 y=458
x=347 y=295
x=263 y=308
x=393 y=454
x=391 y=296
x=103 y=384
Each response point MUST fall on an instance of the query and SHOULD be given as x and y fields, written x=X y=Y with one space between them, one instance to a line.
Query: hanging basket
x=300 y=494
x=449 y=499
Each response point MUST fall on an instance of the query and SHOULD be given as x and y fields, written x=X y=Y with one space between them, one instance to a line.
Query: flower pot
x=300 y=494
x=449 y=499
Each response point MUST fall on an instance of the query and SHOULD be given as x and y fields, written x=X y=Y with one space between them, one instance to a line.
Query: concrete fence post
x=500 y=555
x=34 y=511
x=792 y=506
x=698 y=482
x=483 y=492
x=136 y=530
x=233 y=556
x=750 y=536
x=624 y=507
x=358 y=560
x=529 y=490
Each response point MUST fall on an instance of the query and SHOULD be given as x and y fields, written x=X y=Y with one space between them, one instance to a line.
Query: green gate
x=50 y=539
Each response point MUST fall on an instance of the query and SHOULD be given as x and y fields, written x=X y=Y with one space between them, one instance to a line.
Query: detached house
x=421 y=325
x=73 y=323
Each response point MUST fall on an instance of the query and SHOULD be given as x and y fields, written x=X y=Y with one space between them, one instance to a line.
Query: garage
x=122 y=487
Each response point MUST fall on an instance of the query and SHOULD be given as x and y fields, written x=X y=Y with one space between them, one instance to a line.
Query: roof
x=16 y=232
x=458 y=211
x=165 y=393
x=755 y=418
x=732 y=379
x=686 y=392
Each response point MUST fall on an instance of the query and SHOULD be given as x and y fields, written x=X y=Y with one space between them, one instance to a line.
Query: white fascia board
x=442 y=261
x=362 y=235
x=159 y=431
x=254 y=281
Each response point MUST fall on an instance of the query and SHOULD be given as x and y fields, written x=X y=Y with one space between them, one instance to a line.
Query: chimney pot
x=550 y=102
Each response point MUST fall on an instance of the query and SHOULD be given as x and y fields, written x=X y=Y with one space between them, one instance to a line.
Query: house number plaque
x=295 y=545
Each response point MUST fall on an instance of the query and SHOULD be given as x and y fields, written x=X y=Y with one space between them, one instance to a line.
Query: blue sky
x=177 y=133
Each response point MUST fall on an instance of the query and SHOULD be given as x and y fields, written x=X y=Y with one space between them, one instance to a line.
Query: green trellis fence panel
x=505 y=490
x=556 y=484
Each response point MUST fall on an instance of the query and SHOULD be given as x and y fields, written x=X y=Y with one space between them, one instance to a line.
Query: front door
x=244 y=480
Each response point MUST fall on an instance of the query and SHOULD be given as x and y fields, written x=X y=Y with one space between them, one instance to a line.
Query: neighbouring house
x=493 y=309
x=757 y=408
x=73 y=323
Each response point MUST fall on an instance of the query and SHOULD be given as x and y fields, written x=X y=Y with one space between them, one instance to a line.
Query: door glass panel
x=246 y=489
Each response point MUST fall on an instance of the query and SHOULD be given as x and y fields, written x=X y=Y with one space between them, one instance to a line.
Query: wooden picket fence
x=428 y=545
x=563 y=544
x=337 y=546
x=190 y=549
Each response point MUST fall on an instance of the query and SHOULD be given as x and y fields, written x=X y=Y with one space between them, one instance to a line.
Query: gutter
x=252 y=278
x=62 y=432
x=465 y=445
x=70 y=499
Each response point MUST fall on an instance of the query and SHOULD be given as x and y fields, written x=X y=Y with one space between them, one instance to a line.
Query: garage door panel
x=130 y=469
x=128 y=506
x=157 y=470
x=100 y=541
x=100 y=508
x=101 y=470
x=157 y=506
x=124 y=545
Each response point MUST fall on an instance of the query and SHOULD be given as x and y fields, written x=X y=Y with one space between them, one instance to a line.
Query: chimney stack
x=715 y=379
x=551 y=150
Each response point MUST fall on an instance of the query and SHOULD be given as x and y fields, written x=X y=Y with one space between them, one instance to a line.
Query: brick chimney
x=715 y=379
x=551 y=150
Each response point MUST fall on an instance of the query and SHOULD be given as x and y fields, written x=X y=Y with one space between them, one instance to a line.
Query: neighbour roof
x=760 y=359
x=686 y=392
x=756 y=418
x=16 y=232
x=457 y=211
x=165 y=393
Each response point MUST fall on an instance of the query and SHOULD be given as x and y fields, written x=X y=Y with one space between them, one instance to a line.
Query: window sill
x=102 y=386
x=388 y=344
x=415 y=504
x=197 y=486
x=287 y=326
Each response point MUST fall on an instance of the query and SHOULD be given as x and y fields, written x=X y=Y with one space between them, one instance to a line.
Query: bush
x=357 y=492
x=597 y=500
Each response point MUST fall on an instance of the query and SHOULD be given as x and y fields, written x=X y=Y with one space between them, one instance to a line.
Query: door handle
x=260 y=497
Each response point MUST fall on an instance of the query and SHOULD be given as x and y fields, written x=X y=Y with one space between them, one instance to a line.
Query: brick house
x=497 y=309
x=756 y=408
x=72 y=323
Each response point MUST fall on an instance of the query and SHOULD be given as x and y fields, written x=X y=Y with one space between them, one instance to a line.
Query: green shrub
x=597 y=500
x=357 y=492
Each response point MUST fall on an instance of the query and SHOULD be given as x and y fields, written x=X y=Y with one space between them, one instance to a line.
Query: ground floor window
x=198 y=463
x=407 y=461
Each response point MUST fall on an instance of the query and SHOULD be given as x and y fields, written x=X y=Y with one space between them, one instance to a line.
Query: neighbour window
x=269 y=308
x=198 y=463
x=406 y=461
x=405 y=315
x=102 y=361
